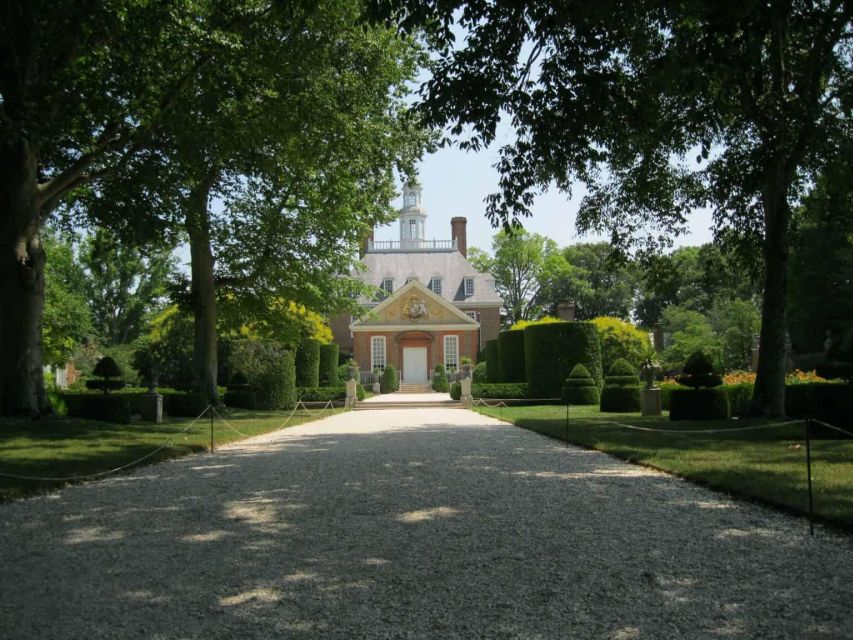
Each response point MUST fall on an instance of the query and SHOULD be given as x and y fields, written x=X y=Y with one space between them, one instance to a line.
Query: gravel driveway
x=436 y=523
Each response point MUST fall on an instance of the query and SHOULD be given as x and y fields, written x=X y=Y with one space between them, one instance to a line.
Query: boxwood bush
x=740 y=397
x=456 y=391
x=389 y=383
x=276 y=382
x=500 y=390
x=511 y=366
x=493 y=365
x=240 y=399
x=321 y=394
x=699 y=404
x=308 y=363
x=552 y=350
x=827 y=401
x=189 y=405
x=329 y=365
x=114 y=407
x=439 y=379
x=479 y=374
x=580 y=388
x=624 y=399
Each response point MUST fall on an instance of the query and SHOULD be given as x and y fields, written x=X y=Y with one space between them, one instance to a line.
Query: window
x=413 y=229
x=387 y=285
x=451 y=352
x=469 y=286
x=411 y=199
x=435 y=286
x=377 y=352
x=473 y=315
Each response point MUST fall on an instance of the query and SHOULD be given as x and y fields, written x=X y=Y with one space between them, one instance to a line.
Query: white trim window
x=377 y=352
x=469 y=287
x=387 y=285
x=451 y=352
x=474 y=315
x=435 y=285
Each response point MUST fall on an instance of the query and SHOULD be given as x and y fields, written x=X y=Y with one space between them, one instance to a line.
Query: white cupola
x=412 y=216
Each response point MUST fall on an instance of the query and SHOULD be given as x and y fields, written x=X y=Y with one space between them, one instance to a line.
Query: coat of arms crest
x=415 y=309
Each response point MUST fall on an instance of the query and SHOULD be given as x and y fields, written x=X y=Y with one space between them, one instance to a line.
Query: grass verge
x=765 y=465
x=65 y=447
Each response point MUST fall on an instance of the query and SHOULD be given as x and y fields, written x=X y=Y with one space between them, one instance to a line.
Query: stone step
x=384 y=406
x=414 y=388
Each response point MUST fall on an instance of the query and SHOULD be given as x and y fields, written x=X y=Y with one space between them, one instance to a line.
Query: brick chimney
x=566 y=310
x=365 y=244
x=457 y=233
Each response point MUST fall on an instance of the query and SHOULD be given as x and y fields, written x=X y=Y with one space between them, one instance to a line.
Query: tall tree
x=758 y=91
x=83 y=87
x=124 y=284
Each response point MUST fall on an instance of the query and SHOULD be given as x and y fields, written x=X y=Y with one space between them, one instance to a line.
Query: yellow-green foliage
x=620 y=339
x=523 y=324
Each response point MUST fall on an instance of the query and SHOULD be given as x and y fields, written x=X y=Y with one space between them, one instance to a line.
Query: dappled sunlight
x=258 y=596
x=625 y=633
x=755 y=532
x=93 y=534
x=144 y=596
x=211 y=536
x=424 y=515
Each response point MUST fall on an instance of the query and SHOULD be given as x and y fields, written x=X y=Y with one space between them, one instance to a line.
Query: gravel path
x=438 y=523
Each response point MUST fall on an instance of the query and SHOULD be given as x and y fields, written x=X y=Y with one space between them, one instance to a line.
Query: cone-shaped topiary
x=107 y=369
x=621 y=393
x=439 y=379
x=580 y=388
x=388 y=384
x=699 y=372
x=622 y=374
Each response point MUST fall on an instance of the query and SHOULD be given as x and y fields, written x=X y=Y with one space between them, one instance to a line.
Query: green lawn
x=768 y=465
x=66 y=447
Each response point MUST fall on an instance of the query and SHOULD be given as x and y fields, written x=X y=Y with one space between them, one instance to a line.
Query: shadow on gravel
x=440 y=531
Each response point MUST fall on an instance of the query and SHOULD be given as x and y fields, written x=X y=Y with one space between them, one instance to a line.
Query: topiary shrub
x=456 y=391
x=329 y=365
x=493 y=366
x=621 y=392
x=699 y=404
x=240 y=394
x=389 y=383
x=439 y=379
x=95 y=406
x=276 y=384
x=551 y=351
x=740 y=397
x=827 y=401
x=308 y=363
x=188 y=405
x=621 y=399
x=110 y=375
x=511 y=356
x=479 y=374
x=513 y=390
x=698 y=372
x=321 y=394
x=343 y=373
x=580 y=388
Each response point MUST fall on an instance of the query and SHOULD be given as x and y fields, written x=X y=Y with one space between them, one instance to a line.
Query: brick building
x=433 y=306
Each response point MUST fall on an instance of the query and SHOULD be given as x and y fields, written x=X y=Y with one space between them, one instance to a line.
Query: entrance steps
x=414 y=404
x=414 y=388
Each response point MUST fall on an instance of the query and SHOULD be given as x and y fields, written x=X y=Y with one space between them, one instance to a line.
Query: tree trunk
x=22 y=262
x=769 y=394
x=203 y=292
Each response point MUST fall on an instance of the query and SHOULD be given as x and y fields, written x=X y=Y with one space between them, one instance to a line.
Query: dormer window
x=387 y=285
x=469 y=286
x=435 y=286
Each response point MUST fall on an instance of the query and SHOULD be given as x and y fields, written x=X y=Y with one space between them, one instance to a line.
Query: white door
x=415 y=365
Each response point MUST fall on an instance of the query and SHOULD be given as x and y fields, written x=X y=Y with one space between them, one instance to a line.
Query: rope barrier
x=692 y=431
x=100 y=474
x=832 y=426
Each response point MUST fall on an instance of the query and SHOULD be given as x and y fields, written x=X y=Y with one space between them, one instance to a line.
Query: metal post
x=809 y=472
x=567 y=425
x=211 y=428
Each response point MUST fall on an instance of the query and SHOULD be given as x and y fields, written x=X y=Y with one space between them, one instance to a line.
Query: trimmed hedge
x=98 y=406
x=321 y=394
x=189 y=405
x=479 y=374
x=389 y=383
x=439 y=379
x=699 y=404
x=275 y=384
x=493 y=365
x=666 y=389
x=241 y=399
x=499 y=390
x=832 y=403
x=621 y=399
x=511 y=367
x=699 y=371
x=329 y=365
x=552 y=350
x=308 y=363
x=740 y=397
x=456 y=391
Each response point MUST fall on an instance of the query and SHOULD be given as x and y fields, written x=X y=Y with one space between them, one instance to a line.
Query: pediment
x=414 y=305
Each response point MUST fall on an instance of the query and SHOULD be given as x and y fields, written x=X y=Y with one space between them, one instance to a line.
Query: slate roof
x=450 y=266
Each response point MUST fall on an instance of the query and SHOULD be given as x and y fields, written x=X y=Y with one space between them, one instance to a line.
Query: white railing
x=411 y=245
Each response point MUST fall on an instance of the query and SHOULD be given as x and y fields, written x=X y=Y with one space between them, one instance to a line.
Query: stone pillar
x=352 y=396
x=466 y=397
x=152 y=406
x=459 y=234
x=566 y=311
x=652 y=402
